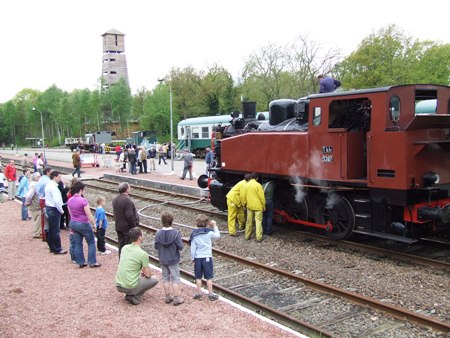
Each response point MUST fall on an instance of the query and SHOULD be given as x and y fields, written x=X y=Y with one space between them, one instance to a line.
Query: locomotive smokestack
x=249 y=110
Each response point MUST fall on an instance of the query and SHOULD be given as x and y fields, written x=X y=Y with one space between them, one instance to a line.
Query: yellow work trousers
x=235 y=212
x=258 y=216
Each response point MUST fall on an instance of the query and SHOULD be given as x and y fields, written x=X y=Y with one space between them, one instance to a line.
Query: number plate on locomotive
x=327 y=158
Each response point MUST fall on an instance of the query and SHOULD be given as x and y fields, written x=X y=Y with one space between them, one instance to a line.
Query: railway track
x=159 y=197
x=308 y=306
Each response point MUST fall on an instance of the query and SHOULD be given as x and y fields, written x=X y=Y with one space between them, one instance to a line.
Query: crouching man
x=133 y=275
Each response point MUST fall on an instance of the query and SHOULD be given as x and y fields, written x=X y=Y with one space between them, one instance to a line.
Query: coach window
x=205 y=132
x=195 y=132
x=317 y=116
x=394 y=108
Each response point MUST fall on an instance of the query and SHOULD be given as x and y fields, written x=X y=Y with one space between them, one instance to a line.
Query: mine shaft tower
x=114 y=58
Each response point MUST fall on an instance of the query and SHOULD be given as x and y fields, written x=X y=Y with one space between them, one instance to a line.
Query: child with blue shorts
x=201 y=254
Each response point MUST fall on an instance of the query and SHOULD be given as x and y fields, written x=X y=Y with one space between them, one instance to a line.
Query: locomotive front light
x=430 y=179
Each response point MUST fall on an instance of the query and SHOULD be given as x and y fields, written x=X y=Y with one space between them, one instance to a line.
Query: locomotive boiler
x=372 y=161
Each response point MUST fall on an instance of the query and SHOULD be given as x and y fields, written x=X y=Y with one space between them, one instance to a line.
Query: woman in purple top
x=82 y=224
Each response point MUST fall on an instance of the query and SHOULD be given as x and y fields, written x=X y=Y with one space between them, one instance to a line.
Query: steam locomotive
x=372 y=161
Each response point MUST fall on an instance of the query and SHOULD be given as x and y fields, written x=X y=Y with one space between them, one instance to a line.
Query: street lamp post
x=172 y=155
x=42 y=129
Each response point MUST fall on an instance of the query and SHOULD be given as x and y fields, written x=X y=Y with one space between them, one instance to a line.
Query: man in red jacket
x=10 y=174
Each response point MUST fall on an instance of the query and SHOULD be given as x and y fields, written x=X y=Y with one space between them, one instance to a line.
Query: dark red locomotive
x=373 y=161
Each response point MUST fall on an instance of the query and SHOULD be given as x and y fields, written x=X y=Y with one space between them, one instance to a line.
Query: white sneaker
x=106 y=252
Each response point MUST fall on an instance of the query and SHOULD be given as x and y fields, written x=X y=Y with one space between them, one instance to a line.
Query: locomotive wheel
x=297 y=210
x=340 y=215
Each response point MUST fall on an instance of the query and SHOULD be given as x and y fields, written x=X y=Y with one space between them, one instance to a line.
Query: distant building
x=114 y=58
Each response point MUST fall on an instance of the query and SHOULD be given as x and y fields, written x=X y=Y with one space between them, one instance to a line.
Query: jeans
x=77 y=170
x=267 y=217
x=101 y=239
x=24 y=209
x=81 y=230
x=54 y=239
x=161 y=157
x=133 y=168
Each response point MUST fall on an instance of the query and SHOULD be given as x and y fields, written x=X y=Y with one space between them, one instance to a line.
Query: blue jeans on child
x=81 y=230
x=24 y=209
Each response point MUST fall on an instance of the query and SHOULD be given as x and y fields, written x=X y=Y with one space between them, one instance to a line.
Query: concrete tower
x=114 y=58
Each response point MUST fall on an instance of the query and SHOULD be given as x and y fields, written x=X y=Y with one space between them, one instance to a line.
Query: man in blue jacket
x=328 y=84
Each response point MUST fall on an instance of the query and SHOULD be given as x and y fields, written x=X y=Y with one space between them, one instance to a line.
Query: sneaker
x=212 y=297
x=106 y=252
x=198 y=296
x=168 y=299
x=177 y=301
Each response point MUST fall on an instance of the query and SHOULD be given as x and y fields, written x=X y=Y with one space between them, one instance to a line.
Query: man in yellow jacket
x=236 y=204
x=256 y=204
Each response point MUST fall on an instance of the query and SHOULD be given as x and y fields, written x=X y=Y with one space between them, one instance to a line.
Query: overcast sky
x=59 y=42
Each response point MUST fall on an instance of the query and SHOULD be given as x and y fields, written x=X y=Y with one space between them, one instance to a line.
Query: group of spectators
x=137 y=159
x=133 y=275
x=45 y=199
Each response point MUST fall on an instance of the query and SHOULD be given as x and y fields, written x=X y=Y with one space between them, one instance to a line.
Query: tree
x=116 y=103
x=48 y=103
x=218 y=90
x=187 y=92
x=157 y=111
x=390 y=57
x=263 y=75
x=307 y=60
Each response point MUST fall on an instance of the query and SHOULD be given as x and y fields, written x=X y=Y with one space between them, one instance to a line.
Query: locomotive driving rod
x=328 y=226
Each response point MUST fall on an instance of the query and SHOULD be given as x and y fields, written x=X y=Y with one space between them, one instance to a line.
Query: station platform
x=163 y=177
x=42 y=294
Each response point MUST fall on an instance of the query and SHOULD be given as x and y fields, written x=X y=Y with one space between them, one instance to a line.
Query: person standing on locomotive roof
x=169 y=244
x=236 y=204
x=256 y=204
x=328 y=84
x=125 y=215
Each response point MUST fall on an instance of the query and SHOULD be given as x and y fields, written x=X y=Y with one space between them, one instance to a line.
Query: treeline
x=386 y=57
